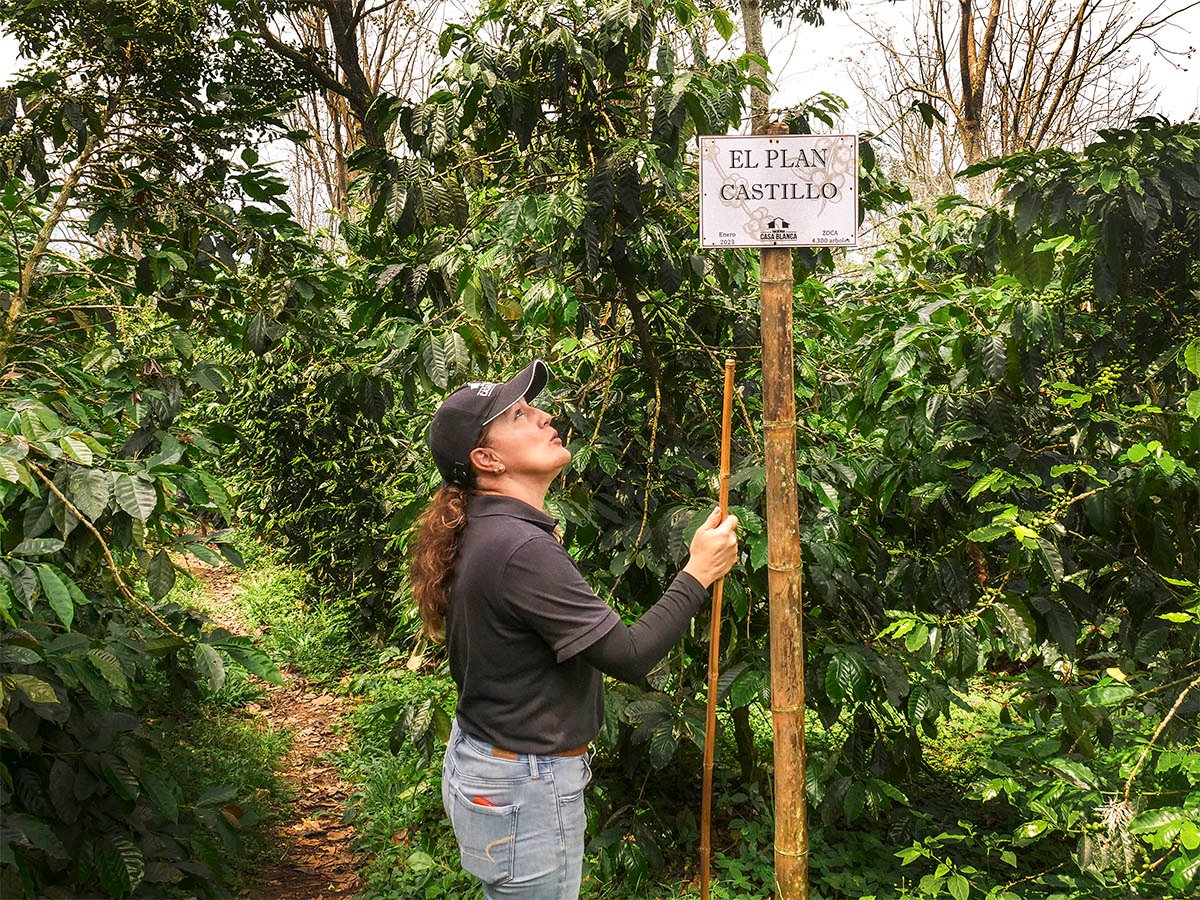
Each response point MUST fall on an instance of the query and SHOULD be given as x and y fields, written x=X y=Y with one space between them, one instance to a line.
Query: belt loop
x=533 y=765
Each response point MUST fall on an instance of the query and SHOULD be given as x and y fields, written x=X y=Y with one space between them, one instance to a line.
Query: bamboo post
x=784 y=571
x=714 y=647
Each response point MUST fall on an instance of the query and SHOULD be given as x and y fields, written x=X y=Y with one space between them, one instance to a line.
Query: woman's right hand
x=714 y=548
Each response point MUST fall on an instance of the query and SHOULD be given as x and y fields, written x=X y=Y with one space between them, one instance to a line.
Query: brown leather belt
x=501 y=753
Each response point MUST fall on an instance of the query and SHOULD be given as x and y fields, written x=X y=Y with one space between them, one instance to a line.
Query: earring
x=500 y=470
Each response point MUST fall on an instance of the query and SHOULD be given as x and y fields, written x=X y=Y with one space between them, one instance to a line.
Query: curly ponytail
x=434 y=551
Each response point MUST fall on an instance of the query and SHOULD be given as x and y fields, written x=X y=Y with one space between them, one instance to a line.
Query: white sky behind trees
x=808 y=59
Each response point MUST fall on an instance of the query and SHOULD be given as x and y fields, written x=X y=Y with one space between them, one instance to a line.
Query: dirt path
x=319 y=863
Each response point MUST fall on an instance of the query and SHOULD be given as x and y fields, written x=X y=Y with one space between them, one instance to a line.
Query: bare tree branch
x=1018 y=74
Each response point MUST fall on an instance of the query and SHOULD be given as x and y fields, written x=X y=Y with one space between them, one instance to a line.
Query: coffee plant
x=998 y=447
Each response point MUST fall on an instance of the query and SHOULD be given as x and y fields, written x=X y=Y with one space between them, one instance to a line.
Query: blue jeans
x=526 y=838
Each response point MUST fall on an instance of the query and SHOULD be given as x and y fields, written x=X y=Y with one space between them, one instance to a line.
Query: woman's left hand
x=714 y=548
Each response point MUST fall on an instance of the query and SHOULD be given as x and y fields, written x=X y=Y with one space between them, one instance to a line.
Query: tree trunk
x=752 y=28
x=974 y=57
x=344 y=19
x=349 y=81
x=651 y=361
x=66 y=194
x=743 y=734
x=971 y=136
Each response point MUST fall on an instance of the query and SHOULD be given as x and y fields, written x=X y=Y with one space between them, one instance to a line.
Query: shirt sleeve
x=629 y=652
x=546 y=591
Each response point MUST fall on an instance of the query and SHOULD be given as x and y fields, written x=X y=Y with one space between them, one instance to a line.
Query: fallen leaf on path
x=233 y=814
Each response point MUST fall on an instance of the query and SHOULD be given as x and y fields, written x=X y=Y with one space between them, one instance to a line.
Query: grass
x=315 y=637
x=219 y=749
x=964 y=739
x=397 y=803
x=245 y=753
x=221 y=752
x=396 y=807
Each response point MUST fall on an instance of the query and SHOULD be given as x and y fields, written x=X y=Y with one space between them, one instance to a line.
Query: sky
x=806 y=59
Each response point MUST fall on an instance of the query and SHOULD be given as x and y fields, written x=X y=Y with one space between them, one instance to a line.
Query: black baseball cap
x=463 y=415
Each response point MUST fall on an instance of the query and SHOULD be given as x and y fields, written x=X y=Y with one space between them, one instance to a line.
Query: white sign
x=787 y=190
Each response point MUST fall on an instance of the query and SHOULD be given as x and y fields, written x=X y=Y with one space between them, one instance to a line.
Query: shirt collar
x=501 y=505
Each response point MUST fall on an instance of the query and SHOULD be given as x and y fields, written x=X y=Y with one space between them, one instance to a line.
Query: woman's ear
x=486 y=461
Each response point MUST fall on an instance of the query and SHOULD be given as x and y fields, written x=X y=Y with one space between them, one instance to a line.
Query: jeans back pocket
x=487 y=837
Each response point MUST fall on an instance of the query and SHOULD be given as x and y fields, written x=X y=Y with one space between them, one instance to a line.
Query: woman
x=528 y=640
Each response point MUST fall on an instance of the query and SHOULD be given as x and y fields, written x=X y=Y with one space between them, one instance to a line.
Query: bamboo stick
x=714 y=647
x=784 y=574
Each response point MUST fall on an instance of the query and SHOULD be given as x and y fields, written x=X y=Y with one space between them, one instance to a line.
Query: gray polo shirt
x=518 y=617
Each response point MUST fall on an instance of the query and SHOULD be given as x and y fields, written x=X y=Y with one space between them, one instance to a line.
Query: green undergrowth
x=394 y=760
x=965 y=738
x=942 y=832
x=243 y=756
x=939 y=839
x=314 y=637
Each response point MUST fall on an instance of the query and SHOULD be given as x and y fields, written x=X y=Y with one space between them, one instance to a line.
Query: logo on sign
x=777 y=229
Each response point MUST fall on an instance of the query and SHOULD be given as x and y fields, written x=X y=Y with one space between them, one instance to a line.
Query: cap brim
x=526 y=384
